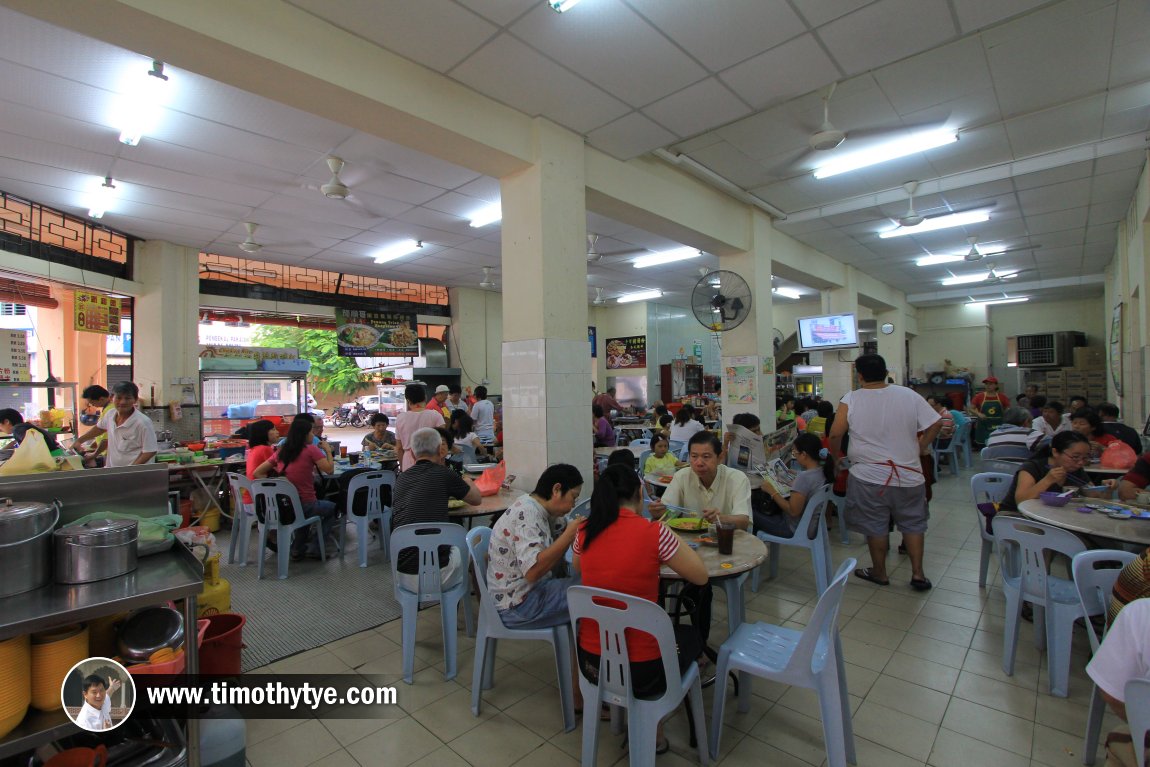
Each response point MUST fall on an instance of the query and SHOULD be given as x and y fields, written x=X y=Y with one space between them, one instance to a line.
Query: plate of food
x=688 y=524
x=455 y=503
x=359 y=336
x=399 y=337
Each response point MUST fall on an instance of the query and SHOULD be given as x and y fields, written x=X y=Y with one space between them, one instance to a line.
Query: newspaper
x=755 y=454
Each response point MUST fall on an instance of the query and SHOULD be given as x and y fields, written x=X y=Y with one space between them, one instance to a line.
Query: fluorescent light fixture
x=102 y=198
x=141 y=105
x=666 y=257
x=890 y=150
x=487 y=215
x=967 y=279
x=939 y=222
x=397 y=250
x=642 y=295
x=787 y=292
x=559 y=6
x=990 y=301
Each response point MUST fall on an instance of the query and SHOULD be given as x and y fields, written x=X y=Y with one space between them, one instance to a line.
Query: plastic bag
x=491 y=479
x=31 y=457
x=1118 y=455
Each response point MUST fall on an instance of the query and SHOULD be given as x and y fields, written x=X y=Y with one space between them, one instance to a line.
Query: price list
x=14 y=356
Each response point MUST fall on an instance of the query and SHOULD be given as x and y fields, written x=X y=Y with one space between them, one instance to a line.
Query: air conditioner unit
x=1049 y=350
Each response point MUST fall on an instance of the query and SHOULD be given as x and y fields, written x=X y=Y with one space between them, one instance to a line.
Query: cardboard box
x=1055 y=376
x=1089 y=358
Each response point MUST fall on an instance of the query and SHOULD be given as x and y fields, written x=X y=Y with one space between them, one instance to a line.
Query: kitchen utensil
x=26 y=544
x=95 y=550
x=149 y=630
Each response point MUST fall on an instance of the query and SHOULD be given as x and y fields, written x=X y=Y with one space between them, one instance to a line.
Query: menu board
x=627 y=352
x=257 y=353
x=96 y=313
x=14 y=356
x=361 y=333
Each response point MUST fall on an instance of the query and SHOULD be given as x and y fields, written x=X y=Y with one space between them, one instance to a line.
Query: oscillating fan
x=721 y=300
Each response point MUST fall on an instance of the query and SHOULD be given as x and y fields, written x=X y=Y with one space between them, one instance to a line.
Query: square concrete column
x=546 y=357
x=165 y=320
x=838 y=366
x=749 y=347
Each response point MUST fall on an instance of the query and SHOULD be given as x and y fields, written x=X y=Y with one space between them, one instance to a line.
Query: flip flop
x=921 y=584
x=865 y=574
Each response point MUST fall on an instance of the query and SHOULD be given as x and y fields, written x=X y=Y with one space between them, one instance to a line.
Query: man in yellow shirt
x=97 y=397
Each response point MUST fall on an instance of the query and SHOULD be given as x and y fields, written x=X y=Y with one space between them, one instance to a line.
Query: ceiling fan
x=974 y=254
x=251 y=245
x=593 y=254
x=487 y=283
x=912 y=216
x=993 y=277
x=599 y=300
x=336 y=189
x=827 y=136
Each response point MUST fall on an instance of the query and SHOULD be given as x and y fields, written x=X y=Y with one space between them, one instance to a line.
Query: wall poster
x=626 y=352
x=1116 y=349
x=361 y=333
x=741 y=380
x=96 y=313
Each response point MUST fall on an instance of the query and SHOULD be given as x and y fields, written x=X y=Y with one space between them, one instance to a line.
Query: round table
x=489 y=506
x=605 y=452
x=729 y=570
x=1095 y=523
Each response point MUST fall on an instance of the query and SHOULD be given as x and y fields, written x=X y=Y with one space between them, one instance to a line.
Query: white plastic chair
x=427 y=538
x=615 y=614
x=989 y=486
x=678 y=447
x=991 y=458
x=646 y=442
x=491 y=630
x=1022 y=547
x=1138 y=715
x=954 y=448
x=370 y=483
x=819 y=547
x=265 y=493
x=467 y=452
x=1094 y=575
x=243 y=518
x=811 y=658
x=964 y=443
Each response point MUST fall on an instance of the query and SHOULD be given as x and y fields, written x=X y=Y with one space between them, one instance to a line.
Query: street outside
x=349 y=436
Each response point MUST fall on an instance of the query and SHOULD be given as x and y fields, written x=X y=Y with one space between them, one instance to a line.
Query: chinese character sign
x=362 y=333
x=628 y=352
x=14 y=356
x=97 y=313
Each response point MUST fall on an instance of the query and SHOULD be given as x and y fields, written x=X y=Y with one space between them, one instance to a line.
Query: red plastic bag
x=491 y=479
x=1118 y=455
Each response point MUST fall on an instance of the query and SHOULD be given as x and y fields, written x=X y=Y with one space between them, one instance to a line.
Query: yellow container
x=211 y=519
x=15 y=681
x=217 y=594
x=54 y=653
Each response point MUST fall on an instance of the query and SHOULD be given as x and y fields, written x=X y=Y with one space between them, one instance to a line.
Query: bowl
x=149 y=630
x=1054 y=499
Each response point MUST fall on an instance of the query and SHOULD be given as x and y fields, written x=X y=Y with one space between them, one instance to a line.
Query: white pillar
x=546 y=359
x=838 y=366
x=165 y=319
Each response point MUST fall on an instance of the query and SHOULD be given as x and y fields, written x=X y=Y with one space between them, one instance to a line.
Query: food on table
x=402 y=335
x=692 y=524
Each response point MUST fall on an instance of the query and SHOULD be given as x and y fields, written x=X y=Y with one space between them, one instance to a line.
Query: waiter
x=987 y=408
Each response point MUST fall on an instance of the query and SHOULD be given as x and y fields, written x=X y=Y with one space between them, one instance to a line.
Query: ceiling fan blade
x=353 y=202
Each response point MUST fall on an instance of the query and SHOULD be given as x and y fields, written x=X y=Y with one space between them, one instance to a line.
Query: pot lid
x=12 y=510
x=101 y=531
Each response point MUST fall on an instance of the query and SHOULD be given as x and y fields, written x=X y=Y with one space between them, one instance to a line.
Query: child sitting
x=660 y=461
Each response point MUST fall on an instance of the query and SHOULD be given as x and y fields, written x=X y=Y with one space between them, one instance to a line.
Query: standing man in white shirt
x=1123 y=655
x=889 y=426
x=454 y=398
x=131 y=434
x=96 y=713
x=483 y=413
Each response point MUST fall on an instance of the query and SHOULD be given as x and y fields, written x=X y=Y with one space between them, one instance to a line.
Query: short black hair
x=11 y=416
x=563 y=474
x=1075 y=397
x=597 y=411
x=379 y=418
x=454 y=389
x=95 y=391
x=1054 y=404
x=1038 y=401
x=414 y=393
x=746 y=420
x=623 y=457
x=94 y=679
x=871 y=367
x=705 y=438
x=126 y=389
x=661 y=410
x=481 y=392
x=1108 y=409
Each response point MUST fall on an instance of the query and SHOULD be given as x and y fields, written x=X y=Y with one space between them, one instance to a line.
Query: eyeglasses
x=1078 y=457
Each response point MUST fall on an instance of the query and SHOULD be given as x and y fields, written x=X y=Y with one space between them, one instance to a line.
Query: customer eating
x=1054 y=468
x=462 y=431
x=1088 y=423
x=379 y=438
x=603 y=432
x=131 y=434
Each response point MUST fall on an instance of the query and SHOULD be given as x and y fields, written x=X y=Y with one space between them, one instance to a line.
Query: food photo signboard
x=96 y=313
x=361 y=333
x=626 y=352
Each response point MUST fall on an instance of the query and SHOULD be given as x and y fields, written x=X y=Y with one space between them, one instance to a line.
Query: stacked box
x=1089 y=358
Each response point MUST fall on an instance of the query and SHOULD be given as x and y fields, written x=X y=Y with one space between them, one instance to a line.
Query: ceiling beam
x=974 y=291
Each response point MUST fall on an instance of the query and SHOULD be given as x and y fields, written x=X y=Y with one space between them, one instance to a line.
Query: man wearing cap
x=439 y=402
x=987 y=408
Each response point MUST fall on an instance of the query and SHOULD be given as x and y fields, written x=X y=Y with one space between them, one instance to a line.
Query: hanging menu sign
x=96 y=313
x=14 y=356
x=362 y=333
x=627 y=352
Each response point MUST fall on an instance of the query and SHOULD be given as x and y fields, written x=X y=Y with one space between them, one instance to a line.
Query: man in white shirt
x=131 y=434
x=96 y=713
x=1123 y=655
x=483 y=413
x=889 y=426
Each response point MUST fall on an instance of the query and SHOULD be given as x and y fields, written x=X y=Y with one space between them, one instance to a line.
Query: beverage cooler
x=230 y=399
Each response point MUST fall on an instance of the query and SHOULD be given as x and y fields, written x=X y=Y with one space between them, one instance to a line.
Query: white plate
x=477 y=468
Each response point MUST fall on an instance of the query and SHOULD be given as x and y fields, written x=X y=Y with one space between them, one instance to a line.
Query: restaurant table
x=1097 y=469
x=491 y=505
x=209 y=476
x=605 y=452
x=729 y=570
x=1095 y=523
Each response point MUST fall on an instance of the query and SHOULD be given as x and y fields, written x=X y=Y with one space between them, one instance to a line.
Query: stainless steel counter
x=141 y=490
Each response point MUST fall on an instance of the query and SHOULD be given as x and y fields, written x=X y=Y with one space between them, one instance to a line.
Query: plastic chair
x=841 y=516
x=1138 y=715
x=818 y=545
x=266 y=493
x=677 y=447
x=1022 y=547
x=645 y=442
x=245 y=515
x=952 y=449
x=811 y=658
x=987 y=486
x=467 y=452
x=491 y=630
x=427 y=538
x=369 y=483
x=615 y=614
x=643 y=460
x=1094 y=577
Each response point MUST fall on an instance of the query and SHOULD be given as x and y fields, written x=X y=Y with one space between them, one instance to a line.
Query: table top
x=658 y=479
x=605 y=452
x=1097 y=468
x=491 y=504
x=340 y=468
x=748 y=553
x=1095 y=523
x=172 y=466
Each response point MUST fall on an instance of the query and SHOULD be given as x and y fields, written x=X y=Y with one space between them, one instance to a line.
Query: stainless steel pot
x=150 y=629
x=95 y=550
x=26 y=544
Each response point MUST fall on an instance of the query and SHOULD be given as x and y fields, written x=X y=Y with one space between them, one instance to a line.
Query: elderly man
x=1109 y=412
x=420 y=495
x=1016 y=431
x=131 y=434
x=1123 y=655
x=607 y=401
x=889 y=426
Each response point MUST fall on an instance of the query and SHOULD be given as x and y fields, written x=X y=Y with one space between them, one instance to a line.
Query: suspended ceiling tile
x=1054 y=241
x=1056 y=175
x=731 y=164
x=697 y=108
x=424 y=217
x=381 y=183
x=402 y=161
x=886 y=31
x=1047 y=199
x=1126 y=122
x=979 y=14
x=1114 y=187
x=211 y=137
x=1056 y=222
x=630 y=136
x=983 y=147
x=500 y=12
x=484 y=188
x=788 y=70
x=1108 y=212
x=819 y=12
x=516 y=74
x=928 y=78
x=1070 y=125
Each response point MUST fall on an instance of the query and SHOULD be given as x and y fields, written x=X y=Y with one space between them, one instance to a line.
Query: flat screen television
x=828 y=331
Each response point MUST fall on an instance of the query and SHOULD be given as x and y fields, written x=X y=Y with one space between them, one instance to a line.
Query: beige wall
x=475 y=338
x=956 y=332
x=1087 y=315
x=616 y=321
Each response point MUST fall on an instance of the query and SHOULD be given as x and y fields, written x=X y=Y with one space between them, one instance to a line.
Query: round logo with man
x=98 y=694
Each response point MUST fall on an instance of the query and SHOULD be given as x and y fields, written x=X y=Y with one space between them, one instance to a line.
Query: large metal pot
x=26 y=544
x=150 y=629
x=95 y=550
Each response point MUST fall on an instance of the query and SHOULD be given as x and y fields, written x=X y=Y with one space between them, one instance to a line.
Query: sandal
x=921 y=584
x=865 y=574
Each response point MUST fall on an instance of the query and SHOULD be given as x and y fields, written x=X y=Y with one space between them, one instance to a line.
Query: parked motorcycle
x=354 y=415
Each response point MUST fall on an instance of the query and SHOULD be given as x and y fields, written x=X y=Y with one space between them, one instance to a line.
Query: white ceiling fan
x=912 y=216
x=827 y=136
x=336 y=189
x=251 y=245
x=487 y=283
x=593 y=254
x=974 y=254
x=599 y=300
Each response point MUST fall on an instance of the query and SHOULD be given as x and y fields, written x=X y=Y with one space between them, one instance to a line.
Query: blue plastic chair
x=841 y=516
x=678 y=447
x=265 y=494
x=615 y=614
x=370 y=484
x=987 y=486
x=811 y=658
x=1138 y=715
x=427 y=538
x=243 y=518
x=646 y=442
x=1094 y=575
x=954 y=448
x=642 y=460
x=467 y=452
x=819 y=546
x=491 y=630
x=1022 y=547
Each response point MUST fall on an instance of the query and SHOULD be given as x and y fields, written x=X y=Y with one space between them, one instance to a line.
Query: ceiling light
x=787 y=292
x=939 y=222
x=559 y=6
x=666 y=257
x=102 y=198
x=988 y=302
x=642 y=295
x=967 y=279
x=891 y=150
x=141 y=105
x=397 y=250
x=487 y=215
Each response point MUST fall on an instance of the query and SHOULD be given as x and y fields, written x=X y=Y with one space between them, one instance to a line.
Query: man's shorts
x=870 y=508
x=544 y=606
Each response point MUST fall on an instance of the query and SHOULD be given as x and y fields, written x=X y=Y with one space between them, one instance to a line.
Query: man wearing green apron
x=987 y=408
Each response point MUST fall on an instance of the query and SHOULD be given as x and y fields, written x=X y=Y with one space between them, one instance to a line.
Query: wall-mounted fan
x=776 y=340
x=721 y=300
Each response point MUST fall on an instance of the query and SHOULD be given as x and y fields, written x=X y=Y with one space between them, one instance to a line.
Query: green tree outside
x=330 y=373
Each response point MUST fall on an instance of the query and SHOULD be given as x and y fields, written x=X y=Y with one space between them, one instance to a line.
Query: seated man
x=1108 y=412
x=527 y=542
x=1015 y=431
x=1135 y=480
x=1133 y=583
x=1123 y=655
x=420 y=495
x=11 y=422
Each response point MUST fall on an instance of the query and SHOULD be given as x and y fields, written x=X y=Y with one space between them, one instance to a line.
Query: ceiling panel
x=624 y=137
x=886 y=31
x=914 y=84
x=796 y=67
x=697 y=107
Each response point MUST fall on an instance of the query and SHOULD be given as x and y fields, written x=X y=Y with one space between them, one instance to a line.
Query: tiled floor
x=924 y=675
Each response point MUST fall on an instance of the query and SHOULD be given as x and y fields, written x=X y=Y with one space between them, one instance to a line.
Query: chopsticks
x=680 y=511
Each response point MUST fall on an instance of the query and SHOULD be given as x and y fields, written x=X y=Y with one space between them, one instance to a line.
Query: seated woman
x=379 y=438
x=1054 y=468
x=617 y=549
x=297 y=459
x=685 y=426
x=1088 y=423
x=462 y=429
x=261 y=435
x=604 y=432
x=818 y=469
